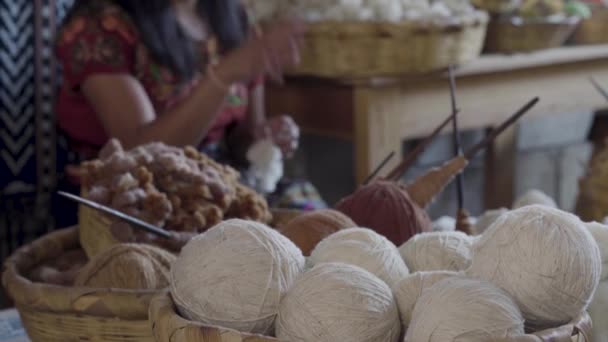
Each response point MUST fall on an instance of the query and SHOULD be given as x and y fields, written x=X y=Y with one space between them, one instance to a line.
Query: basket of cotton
x=364 y=38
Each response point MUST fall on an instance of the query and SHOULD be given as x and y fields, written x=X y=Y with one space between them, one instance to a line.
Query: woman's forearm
x=189 y=122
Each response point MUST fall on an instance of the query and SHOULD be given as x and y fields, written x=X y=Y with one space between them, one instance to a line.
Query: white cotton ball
x=389 y=11
x=545 y=258
x=598 y=310
x=534 y=197
x=461 y=309
x=440 y=9
x=444 y=224
x=437 y=251
x=363 y=248
x=338 y=302
x=234 y=276
x=487 y=219
x=365 y=14
x=266 y=164
x=600 y=234
x=409 y=289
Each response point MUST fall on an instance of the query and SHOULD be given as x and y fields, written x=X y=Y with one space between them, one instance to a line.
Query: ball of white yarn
x=409 y=289
x=487 y=219
x=533 y=197
x=363 y=248
x=598 y=310
x=234 y=276
x=461 y=309
x=338 y=302
x=544 y=258
x=437 y=251
x=600 y=234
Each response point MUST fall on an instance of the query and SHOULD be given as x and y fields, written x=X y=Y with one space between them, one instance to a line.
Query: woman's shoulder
x=94 y=18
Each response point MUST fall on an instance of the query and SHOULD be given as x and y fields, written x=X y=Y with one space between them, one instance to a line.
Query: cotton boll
x=266 y=162
x=487 y=219
x=600 y=234
x=391 y=11
x=460 y=309
x=444 y=224
x=338 y=302
x=365 y=14
x=234 y=276
x=363 y=248
x=410 y=288
x=534 y=197
x=439 y=9
x=545 y=258
x=437 y=251
x=598 y=310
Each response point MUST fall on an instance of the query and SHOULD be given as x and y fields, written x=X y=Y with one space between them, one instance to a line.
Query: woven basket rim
x=162 y=308
x=26 y=292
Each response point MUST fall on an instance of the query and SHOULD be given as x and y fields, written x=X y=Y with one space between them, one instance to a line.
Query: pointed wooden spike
x=496 y=132
x=412 y=156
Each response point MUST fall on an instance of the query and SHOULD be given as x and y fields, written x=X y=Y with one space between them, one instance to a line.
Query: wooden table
x=378 y=114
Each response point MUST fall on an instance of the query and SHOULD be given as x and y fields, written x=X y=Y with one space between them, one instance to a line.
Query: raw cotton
x=487 y=219
x=128 y=266
x=409 y=289
x=363 y=248
x=545 y=258
x=266 y=160
x=307 y=230
x=437 y=251
x=388 y=209
x=444 y=224
x=461 y=309
x=600 y=234
x=338 y=302
x=534 y=197
x=234 y=276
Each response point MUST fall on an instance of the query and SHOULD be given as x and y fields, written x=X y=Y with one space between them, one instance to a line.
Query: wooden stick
x=379 y=168
x=599 y=88
x=495 y=132
x=127 y=218
x=456 y=138
x=411 y=157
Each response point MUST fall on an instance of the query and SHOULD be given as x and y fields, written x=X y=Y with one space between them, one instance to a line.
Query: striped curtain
x=28 y=139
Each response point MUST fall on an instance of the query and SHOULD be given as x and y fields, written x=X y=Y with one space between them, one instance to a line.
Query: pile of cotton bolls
x=359 y=10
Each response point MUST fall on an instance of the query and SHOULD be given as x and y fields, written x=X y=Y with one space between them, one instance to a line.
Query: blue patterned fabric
x=28 y=143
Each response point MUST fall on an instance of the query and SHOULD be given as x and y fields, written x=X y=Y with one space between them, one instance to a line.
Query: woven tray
x=53 y=313
x=168 y=326
x=593 y=30
x=509 y=35
x=96 y=237
x=353 y=50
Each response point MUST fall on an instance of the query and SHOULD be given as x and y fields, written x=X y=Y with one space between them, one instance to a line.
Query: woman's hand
x=268 y=54
x=283 y=131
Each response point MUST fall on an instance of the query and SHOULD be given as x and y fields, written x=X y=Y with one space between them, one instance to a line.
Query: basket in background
x=365 y=49
x=514 y=34
x=593 y=30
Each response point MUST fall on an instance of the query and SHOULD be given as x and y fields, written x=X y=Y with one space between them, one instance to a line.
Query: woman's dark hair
x=166 y=40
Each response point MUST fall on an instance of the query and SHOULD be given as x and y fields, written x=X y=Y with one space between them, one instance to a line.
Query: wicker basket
x=496 y=6
x=168 y=326
x=354 y=50
x=96 y=237
x=57 y=314
x=593 y=30
x=509 y=35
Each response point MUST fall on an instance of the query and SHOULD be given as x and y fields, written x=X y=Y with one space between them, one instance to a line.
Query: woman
x=184 y=72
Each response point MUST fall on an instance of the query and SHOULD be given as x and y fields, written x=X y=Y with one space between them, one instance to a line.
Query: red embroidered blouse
x=102 y=39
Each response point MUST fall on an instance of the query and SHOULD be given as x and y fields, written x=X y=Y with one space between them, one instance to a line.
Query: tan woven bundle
x=168 y=326
x=53 y=313
x=355 y=49
x=509 y=35
x=592 y=204
x=593 y=30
